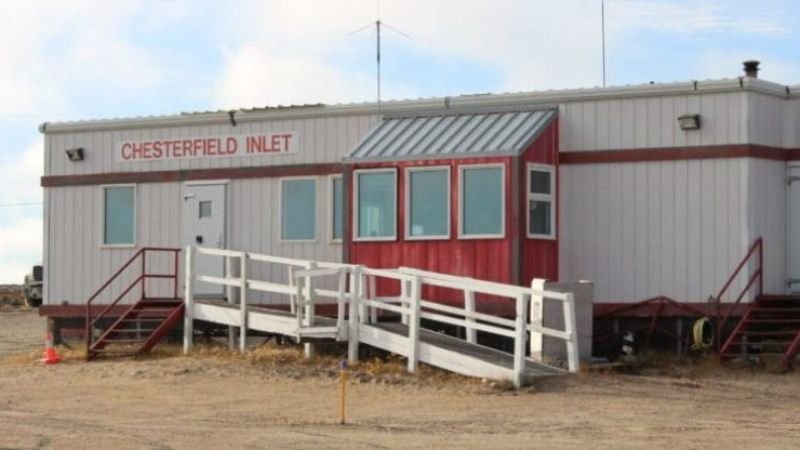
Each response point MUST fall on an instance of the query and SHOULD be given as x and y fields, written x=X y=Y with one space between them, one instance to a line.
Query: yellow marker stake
x=343 y=391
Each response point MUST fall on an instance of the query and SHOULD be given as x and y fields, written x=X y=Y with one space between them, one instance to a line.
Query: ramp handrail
x=303 y=309
x=357 y=303
x=534 y=295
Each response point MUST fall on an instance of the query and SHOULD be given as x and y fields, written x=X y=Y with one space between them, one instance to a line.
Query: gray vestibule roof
x=453 y=133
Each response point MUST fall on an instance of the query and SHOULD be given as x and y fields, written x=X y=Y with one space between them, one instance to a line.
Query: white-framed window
x=119 y=215
x=336 y=209
x=541 y=201
x=375 y=200
x=298 y=209
x=427 y=203
x=482 y=208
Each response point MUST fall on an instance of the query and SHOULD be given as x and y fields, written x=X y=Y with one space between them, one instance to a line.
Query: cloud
x=688 y=18
x=20 y=226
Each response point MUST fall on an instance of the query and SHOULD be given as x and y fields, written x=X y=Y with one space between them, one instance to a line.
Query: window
x=482 y=202
x=204 y=209
x=298 y=209
x=541 y=202
x=119 y=203
x=427 y=203
x=337 y=208
x=376 y=205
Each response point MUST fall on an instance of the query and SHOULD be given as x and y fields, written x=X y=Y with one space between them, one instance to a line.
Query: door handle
x=198 y=239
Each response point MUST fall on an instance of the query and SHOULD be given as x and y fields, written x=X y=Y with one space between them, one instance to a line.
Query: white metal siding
x=77 y=264
x=640 y=230
x=80 y=265
x=321 y=140
x=651 y=122
x=767 y=218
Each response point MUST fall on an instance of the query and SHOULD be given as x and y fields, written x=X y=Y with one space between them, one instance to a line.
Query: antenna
x=378 y=24
x=603 y=31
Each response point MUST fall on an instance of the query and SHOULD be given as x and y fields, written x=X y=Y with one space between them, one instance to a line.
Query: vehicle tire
x=32 y=302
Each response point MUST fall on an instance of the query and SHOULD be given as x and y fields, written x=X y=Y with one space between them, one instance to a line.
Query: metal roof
x=453 y=134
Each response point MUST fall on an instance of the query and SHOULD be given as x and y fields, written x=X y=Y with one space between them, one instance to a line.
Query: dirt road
x=215 y=400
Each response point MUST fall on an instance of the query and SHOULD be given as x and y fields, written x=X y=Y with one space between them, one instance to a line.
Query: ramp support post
x=309 y=310
x=243 y=304
x=520 y=333
x=229 y=293
x=353 y=315
x=570 y=327
x=413 y=323
x=188 y=300
x=537 y=319
x=469 y=306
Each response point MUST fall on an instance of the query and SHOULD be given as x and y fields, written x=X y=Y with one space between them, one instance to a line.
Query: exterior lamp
x=75 y=154
x=689 y=122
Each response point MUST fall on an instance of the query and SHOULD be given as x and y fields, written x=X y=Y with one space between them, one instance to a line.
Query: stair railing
x=756 y=249
x=91 y=320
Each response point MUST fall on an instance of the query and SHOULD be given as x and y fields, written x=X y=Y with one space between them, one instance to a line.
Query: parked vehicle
x=32 y=287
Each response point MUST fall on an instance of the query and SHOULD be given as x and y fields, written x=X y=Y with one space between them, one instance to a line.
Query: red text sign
x=271 y=144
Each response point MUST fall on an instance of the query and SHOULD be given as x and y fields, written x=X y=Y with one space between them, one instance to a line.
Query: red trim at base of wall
x=494 y=308
x=607 y=310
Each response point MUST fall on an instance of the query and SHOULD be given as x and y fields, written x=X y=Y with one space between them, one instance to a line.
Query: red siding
x=479 y=258
x=539 y=258
x=487 y=259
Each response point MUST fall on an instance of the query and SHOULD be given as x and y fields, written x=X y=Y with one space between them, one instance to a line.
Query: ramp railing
x=302 y=294
x=529 y=312
x=358 y=303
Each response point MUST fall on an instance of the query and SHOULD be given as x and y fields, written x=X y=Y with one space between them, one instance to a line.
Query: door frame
x=790 y=168
x=225 y=219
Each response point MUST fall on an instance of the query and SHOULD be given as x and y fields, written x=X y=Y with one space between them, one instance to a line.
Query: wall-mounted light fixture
x=689 y=122
x=75 y=154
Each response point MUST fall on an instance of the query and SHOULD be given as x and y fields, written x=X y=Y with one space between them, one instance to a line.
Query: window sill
x=469 y=237
x=376 y=239
x=428 y=238
x=541 y=237
x=116 y=246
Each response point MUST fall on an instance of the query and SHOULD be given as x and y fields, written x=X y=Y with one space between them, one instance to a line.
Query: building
x=648 y=190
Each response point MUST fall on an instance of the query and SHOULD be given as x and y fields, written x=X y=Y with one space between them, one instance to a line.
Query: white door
x=204 y=226
x=793 y=229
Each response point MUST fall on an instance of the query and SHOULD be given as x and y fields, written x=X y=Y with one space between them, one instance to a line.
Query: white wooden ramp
x=400 y=329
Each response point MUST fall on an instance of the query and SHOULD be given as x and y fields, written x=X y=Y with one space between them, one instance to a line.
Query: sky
x=71 y=60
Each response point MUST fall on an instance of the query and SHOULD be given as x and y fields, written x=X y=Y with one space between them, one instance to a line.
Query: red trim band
x=162 y=176
x=679 y=153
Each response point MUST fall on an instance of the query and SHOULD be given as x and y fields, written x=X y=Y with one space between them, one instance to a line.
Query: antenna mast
x=378 y=53
x=378 y=24
x=603 y=31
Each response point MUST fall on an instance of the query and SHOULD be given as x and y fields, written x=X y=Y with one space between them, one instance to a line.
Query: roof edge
x=531 y=99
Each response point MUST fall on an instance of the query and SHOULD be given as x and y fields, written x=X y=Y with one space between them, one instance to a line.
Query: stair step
x=143 y=319
x=779 y=298
x=735 y=354
x=161 y=301
x=134 y=330
x=774 y=321
x=113 y=351
x=776 y=309
x=770 y=333
x=122 y=341
x=152 y=311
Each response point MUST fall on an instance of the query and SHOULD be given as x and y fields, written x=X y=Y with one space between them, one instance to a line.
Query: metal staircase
x=769 y=327
x=135 y=328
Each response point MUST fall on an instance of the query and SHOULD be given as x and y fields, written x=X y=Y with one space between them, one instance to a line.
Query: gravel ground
x=270 y=398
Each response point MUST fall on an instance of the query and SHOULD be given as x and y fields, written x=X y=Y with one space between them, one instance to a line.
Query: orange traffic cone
x=50 y=356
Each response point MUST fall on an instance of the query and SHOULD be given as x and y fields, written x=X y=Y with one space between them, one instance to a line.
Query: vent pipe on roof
x=751 y=68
